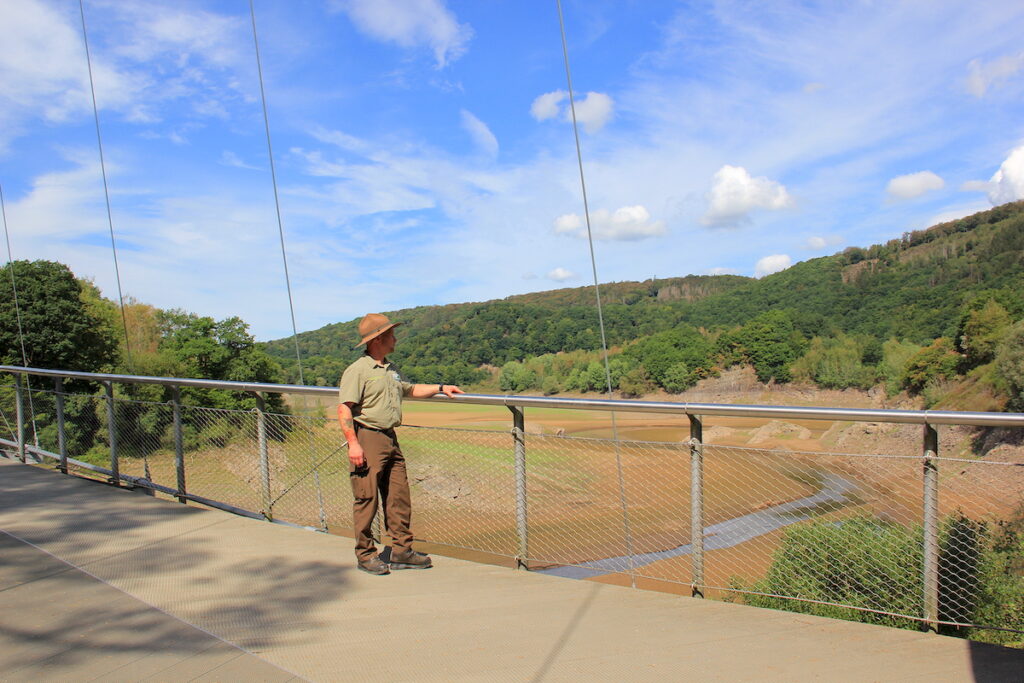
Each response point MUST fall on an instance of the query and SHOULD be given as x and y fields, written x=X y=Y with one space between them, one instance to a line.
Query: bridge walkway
x=100 y=583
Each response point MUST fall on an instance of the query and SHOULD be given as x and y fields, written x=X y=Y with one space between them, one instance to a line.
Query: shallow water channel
x=834 y=492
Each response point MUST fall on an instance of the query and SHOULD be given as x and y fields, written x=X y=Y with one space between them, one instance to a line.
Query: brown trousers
x=384 y=479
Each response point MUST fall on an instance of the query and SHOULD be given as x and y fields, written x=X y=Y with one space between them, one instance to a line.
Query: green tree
x=934 y=362
x=197 y=346
x=770 y=343
x=636 y=382
x=681 y=346
x=834 y=363
x=516 y=377
x=895 y=356
x=60 y=329
x=980 y=332
x=1010 y=365
x=678 y=378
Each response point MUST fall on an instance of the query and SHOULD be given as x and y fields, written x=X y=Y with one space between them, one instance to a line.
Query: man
x=369 y=409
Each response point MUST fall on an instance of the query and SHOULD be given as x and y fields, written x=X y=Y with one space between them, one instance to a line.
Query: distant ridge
x=913 y=287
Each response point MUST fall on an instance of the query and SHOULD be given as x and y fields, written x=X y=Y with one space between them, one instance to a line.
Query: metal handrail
x=929 y=417
x=695 y=412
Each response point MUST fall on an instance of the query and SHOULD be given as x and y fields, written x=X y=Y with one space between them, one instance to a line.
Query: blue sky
x=424 y=153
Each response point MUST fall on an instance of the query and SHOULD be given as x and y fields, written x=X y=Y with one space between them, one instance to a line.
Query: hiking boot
x=409 y=559
x=374 y=565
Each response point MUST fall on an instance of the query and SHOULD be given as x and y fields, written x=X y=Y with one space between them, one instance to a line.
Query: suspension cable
x=17 y=314
x=586 y=205
x=106 y=190
x=277 y=201
x=597 y=293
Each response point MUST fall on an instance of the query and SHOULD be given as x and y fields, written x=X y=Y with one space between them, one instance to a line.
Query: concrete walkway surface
x=100 y=583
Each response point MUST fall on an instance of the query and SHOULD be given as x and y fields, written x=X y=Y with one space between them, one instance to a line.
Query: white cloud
x=570 y=223
x=914 y=185
x=546 y=106
x=160 y=55
x=735 y=194
x=561 y=275
x=229 y=158
x=215 y=38
x=41 y=67
x=626 y=224
x=813 y=87
x=593 y=112
x=976 y=186
x=482 y=136
x=816 y=242
x=982 y=76
x=772 y=264
x=1008 y=181
x=1006 y=184
x=721 y=271
x=410 y=24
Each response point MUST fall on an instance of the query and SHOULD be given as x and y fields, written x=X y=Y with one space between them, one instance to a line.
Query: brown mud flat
x=979 y=477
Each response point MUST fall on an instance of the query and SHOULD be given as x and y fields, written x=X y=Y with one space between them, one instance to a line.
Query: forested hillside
x=914 y=312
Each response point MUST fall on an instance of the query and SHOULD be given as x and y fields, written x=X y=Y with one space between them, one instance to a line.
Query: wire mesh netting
x=829 y=533
x=815 y=526
x=598 y=504
x=463 y=487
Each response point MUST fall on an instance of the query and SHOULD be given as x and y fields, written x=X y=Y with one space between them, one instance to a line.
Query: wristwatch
x=440 y=388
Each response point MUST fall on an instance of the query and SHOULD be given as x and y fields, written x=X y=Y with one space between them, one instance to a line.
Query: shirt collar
x=372 y=361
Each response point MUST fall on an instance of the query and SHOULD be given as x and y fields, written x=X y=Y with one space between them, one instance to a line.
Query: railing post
x=931 y=528
x=19 y=409
x=62 y=443
x=697 y=504
x=522 y=528
x=179 y=450
x=261 y=436
x=115 y=477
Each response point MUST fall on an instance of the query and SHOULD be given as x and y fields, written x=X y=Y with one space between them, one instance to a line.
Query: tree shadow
x=988 y=438
x=78 y=533
x=995 y=663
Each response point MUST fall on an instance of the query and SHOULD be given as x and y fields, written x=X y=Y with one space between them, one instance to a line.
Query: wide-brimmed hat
x=373 y=325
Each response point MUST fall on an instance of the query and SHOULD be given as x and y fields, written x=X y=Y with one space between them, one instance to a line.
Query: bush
x=859 y=562
x=550 y=385
x=863 y=562
x=895 y=356
x=516 y=378
x=636 y=382
x=834 y=363
x=678 y=378
x=1001 y=584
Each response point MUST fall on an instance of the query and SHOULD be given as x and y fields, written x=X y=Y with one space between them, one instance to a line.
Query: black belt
x=360 y=425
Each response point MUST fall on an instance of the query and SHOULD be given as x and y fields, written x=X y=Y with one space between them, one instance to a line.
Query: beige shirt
x=376 y=392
